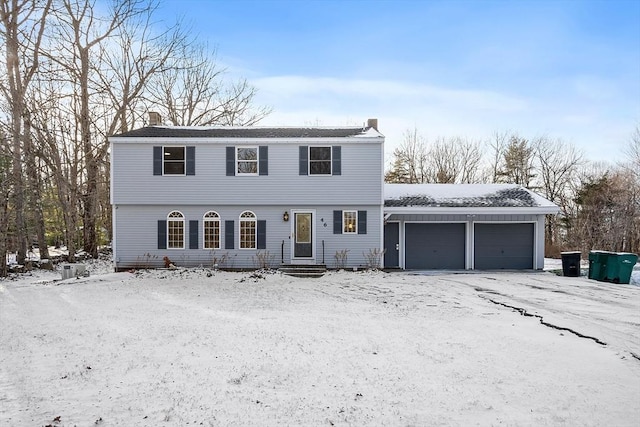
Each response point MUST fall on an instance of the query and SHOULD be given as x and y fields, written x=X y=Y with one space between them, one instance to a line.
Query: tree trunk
x=91 y=192
x=33 y=175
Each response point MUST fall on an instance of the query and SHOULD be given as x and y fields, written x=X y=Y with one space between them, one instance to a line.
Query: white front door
x=303 y=248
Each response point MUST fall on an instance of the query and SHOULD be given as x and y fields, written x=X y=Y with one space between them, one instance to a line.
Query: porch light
x=285 y=217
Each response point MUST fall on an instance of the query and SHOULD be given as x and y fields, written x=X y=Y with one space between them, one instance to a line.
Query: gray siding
x=538 y=244
x=137 y=236
x=360 y=181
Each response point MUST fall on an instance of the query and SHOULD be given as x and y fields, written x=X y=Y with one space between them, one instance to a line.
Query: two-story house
x=248 y=197
x=245 y=197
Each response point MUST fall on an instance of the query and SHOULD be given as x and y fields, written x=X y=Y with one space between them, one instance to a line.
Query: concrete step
x=303 y=270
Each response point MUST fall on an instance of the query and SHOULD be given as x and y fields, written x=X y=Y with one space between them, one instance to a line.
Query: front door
x=303 y=236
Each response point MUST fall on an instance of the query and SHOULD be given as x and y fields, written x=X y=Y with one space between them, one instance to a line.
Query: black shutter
x=362 y=222
x=262 y=234
x=263 y=155
x=228 y=234
x=191 y=161
x=193 y=234
x=231 y=161
x=162 y=234
x=336 y=160
x=304 y=163
x=157 y=160
x=337 y=222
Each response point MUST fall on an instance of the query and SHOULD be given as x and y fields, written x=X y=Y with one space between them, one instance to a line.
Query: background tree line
x=72 y=73
x=599 y=202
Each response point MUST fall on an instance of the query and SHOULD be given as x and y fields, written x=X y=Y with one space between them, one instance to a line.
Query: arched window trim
x=175 y=230
x=211 y=230
x=248 y=235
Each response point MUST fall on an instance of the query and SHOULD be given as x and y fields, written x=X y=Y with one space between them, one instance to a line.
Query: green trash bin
x=598 y=264
x=620 y=266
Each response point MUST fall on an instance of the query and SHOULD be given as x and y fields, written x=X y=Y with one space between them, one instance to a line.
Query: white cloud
x=441 y=111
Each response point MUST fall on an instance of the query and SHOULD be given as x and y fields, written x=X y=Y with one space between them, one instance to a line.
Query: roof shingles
x=241 y=132
x=509 y=197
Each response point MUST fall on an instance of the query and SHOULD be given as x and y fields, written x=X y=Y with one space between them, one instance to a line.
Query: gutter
x=412 y=210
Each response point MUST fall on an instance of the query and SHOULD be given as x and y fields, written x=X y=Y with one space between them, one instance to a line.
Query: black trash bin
x=571 y=263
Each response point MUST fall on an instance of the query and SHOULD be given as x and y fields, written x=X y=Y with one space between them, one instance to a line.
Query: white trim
x=235 y=140
x=217 y=219
x=417 y=210
x=330 y=161
x=342 y=227
x=303 y=260
x=184 y=231
x=255 y=236
x=114 y=252
x=257 y=160
x=403 y=233
x=535 y=239
x=184 y=160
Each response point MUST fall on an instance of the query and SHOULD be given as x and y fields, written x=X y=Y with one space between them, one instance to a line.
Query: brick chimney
x=372 y=123
x=154 y=118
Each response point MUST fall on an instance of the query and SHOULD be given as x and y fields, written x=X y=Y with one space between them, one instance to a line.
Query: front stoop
x=303 y=270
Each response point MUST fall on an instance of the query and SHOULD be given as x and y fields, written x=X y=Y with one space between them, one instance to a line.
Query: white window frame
x=184 y=160
x=175 y=217
x=355 y=222
x=248 y=217
x=256 y=161
x=211 y=217
x=309 y=161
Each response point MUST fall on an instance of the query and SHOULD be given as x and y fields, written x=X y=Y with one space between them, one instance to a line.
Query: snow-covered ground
x=199 y=347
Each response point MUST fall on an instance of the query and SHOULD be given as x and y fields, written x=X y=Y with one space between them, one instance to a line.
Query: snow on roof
x=462 y=195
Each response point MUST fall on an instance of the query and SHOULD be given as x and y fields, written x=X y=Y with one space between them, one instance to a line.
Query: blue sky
x=566 y=69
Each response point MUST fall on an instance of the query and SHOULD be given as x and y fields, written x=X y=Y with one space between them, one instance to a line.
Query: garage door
x=503 y=246
x=434 y=246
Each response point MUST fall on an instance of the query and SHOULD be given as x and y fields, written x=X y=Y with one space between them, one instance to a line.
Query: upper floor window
x=175 y=230
x=319 y=160
x=247 y=160
x=173 y=161
x=211 y=227
x=248 y=230
x=349 y=222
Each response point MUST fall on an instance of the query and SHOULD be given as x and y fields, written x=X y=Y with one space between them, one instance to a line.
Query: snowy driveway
x=370 y=348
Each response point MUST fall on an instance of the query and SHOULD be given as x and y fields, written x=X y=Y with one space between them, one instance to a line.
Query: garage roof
x=461 y=197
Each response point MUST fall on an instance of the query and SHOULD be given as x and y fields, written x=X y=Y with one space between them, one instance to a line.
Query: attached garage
x=464 y=226
x=434 y=246
x=503 y=246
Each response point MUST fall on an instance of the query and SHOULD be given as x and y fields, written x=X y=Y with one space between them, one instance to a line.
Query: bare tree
x=453 y=160
x=409 y=160
x=81 y=31
x=608 y=213
x=470 y=158
x=193 y=92
x=498 y=144
x=60 y=149
x=442 y=162
x=5 y=192
x=557 y=166
x=632 y=152
x=22 y=28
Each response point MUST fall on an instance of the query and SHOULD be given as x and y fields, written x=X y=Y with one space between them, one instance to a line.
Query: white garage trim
x=536 y=243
